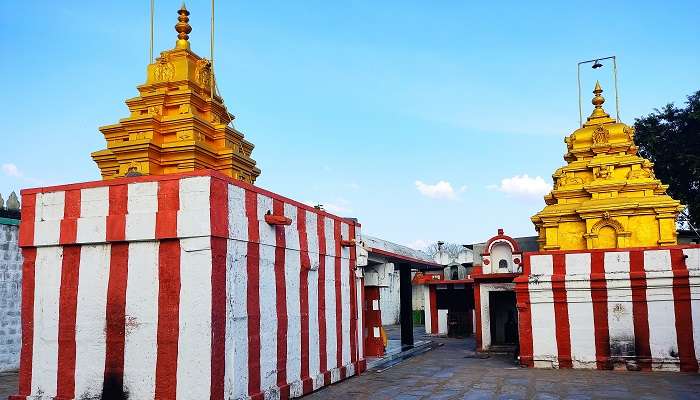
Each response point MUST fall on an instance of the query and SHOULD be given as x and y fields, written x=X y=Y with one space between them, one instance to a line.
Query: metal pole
x=617 y=98
x=211 y=52
x=150 y=54
x=580 y=110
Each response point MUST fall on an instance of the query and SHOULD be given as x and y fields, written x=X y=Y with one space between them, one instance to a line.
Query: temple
x=178 y=123
x=606 y=196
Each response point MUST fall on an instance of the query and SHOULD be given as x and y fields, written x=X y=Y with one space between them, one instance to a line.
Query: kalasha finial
x=183 y=28
x=598 y=100
x=599 y=115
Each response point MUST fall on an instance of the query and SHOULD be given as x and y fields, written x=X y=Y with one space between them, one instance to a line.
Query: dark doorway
x=458 y=300
x=504 y=318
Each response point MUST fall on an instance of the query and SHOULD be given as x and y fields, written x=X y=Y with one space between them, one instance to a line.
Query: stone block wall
x=10 y=296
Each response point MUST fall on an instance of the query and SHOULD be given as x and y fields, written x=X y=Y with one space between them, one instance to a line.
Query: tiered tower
x=178 y=122
x=606 y=196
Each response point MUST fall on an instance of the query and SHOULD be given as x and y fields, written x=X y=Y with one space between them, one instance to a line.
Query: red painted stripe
x=337 y=237
x=477 y=313
x=281 y=303
x=323 y=355
x=253 y=292
x=363 y=328
x=68 y=303
x=218 y=194
x=305 y=263
x=27 y=351
x=522 y=294
x=218 y=315
x=116 y=220
x=71 y=213
x=683 y=312
x=599 y=297
x=26 y=226
x=168 y=205
x=168 y=318
x=640 y=311
x=353 y=297
x=433 y=310
x=561 y=311
x=113 y=384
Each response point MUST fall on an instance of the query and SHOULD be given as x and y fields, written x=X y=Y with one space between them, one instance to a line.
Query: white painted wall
x=390 y=300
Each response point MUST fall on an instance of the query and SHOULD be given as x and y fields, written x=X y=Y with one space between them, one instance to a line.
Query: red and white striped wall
x=176 y=287
x=638 y=309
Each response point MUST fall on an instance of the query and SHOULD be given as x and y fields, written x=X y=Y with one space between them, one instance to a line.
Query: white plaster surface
x=141 y=207
x=544 y=341
x=94 y=208
x=194 y=340
x=194 y=216
x=90 y=339
x=47 y=281
x=141 y=326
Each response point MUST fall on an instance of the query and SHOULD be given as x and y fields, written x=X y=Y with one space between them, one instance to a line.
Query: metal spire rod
x=211 y=52
x=578 y=74
x=150 y=54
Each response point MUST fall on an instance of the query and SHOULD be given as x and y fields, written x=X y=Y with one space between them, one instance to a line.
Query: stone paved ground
x=445 y=373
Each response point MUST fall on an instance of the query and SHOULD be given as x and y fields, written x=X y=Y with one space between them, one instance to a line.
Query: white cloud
x=10 y=169
x=440 y=190
x=523 y=186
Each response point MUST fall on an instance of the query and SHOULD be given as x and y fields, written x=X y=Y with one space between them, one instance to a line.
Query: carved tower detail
x=606 y=196
x=175 y=124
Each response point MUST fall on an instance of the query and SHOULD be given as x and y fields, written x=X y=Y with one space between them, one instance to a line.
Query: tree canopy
x=670 y=138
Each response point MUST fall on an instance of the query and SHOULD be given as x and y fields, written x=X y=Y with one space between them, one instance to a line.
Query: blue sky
x=420 y=118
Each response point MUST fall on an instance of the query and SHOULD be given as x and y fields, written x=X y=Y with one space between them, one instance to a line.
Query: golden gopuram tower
x=606 y=196
x=178 y=123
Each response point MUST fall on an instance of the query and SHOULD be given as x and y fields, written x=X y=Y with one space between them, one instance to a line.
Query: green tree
x=670 y=138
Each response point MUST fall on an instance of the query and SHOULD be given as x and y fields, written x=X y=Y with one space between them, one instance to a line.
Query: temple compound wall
x=185 y=286
x=10 y=295
x=637 y=309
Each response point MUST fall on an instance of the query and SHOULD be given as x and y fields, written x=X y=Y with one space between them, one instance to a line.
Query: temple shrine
x=178 y=123
x=174 y=277
x=606 y=196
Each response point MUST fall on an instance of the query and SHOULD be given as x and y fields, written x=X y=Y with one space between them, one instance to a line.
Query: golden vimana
x=606 y=196
x=178 y=123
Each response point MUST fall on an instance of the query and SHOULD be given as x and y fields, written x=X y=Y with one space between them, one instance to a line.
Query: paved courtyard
x=453 y=372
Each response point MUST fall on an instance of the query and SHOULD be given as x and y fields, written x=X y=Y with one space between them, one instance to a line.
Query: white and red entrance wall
x=180 y=287
x=636 y=308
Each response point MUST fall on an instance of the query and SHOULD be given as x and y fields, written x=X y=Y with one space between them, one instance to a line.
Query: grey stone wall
x=10 y=297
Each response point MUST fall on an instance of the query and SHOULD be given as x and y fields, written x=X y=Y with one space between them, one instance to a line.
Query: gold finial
x=598 y=100
x=183 y=28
